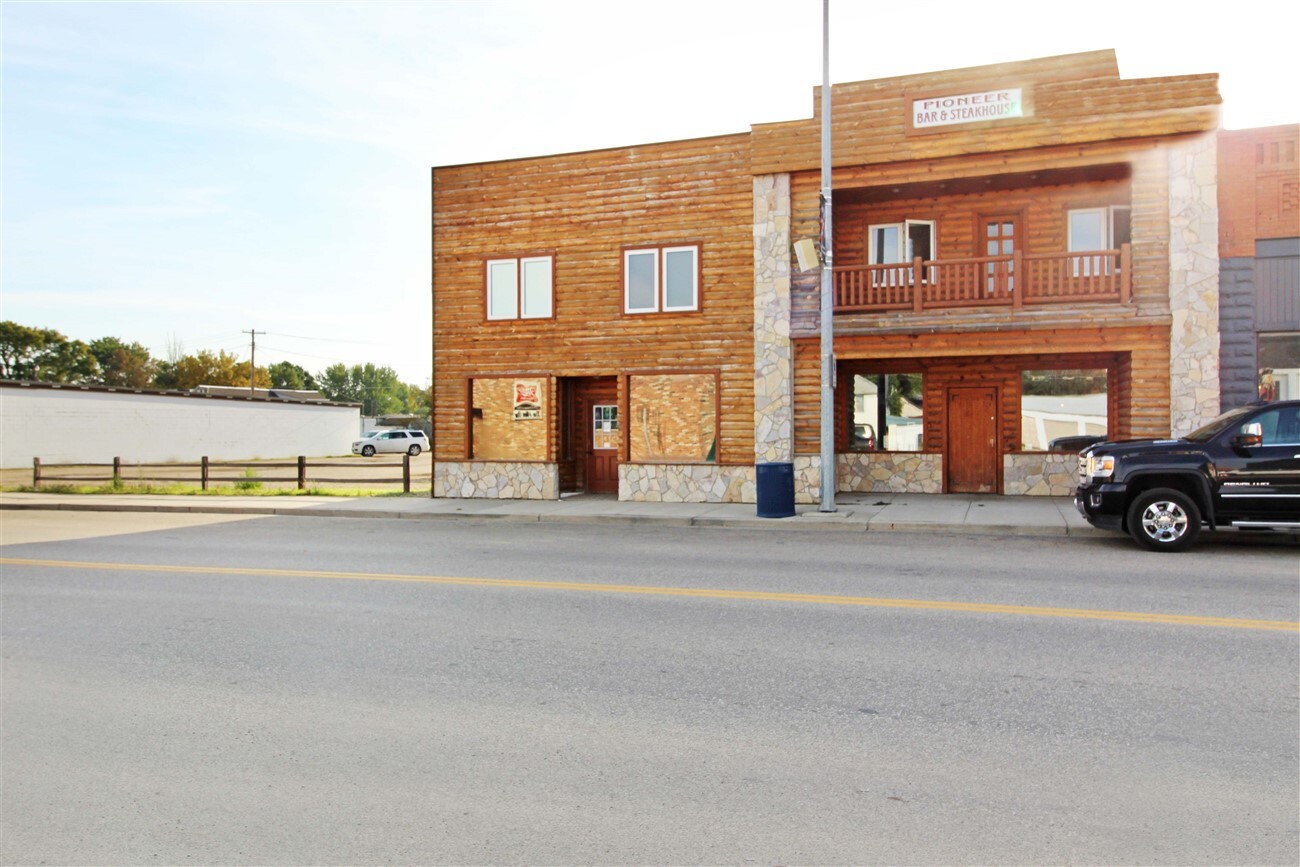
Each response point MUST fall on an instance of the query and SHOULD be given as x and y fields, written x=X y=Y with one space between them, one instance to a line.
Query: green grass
x=250 y=485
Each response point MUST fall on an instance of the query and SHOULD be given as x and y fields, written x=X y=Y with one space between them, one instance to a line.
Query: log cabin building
x=1022 y=252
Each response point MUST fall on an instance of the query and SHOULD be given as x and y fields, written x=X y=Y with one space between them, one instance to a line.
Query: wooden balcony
x=1018 y=280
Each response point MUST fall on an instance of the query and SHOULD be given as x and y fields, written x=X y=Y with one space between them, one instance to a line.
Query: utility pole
x=252 y=360
x=827 y=286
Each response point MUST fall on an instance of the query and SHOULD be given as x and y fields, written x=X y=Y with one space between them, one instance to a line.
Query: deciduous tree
x=123 y=364
x=286 y=374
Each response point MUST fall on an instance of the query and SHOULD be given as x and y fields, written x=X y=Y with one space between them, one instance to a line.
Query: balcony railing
x=1017 y=280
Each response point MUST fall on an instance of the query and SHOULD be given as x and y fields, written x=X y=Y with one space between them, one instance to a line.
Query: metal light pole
x=828 y=288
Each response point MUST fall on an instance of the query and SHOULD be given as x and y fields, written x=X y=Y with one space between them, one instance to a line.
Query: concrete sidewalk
x=947 y=513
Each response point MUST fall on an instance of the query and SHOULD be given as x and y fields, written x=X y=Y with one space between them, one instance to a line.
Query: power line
x=303 y=354
x=324 y=339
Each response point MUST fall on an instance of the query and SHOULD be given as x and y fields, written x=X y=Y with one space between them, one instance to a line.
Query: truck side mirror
x=1251 y=436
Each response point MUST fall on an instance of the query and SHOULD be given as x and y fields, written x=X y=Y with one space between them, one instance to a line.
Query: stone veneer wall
x=1193 y=285
x=686 y=483
x=497 y=480
x=773 y=354
x=1040 y=474
x=890 y=472
x=808 y=479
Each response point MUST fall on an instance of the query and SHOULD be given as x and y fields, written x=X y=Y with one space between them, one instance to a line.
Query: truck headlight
x=1101 y=466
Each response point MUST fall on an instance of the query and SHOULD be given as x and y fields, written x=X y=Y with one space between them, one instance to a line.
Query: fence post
x=406 y=473
x=117 y=470
x=302 y=472
x=36 y=473
x=203 y=473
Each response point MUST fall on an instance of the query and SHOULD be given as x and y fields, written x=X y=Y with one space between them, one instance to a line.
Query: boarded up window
x=508 y=419
x=674 y=417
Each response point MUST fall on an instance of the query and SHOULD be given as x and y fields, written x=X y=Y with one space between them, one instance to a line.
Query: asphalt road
x=192 y=689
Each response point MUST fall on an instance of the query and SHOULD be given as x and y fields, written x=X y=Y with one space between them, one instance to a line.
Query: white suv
x=412 y=442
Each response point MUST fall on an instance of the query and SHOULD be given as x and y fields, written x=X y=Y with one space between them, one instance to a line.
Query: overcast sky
x=181 y=173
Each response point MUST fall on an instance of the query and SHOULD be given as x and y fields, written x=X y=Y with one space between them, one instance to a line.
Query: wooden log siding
x=1043 y=211
x=1138 y=383
x=583 y=209
x=1074 y=99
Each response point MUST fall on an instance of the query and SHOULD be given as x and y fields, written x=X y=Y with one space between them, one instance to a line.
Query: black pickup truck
x=1240 y=470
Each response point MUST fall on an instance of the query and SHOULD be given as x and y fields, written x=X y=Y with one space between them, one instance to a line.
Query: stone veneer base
x=890 y=472
x=496 y=480
x=1046 y=474
x=686 y=483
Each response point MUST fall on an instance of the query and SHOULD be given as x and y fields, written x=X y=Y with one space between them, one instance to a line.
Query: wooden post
x=203 y=473
x=36 y=473
x=117 y=469
x=918 y=290
x=406 y=473
x=1125 y=273
x=1017 y=274
x=302 y=472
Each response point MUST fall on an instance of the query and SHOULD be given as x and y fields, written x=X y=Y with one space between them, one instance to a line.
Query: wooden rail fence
x=209 y=472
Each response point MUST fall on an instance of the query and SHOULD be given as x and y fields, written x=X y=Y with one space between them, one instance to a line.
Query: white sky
x=180 y=173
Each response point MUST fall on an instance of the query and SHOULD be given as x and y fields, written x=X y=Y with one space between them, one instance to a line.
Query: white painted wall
x=68 y=425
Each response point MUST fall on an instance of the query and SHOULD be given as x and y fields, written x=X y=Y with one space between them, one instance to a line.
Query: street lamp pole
x=827 y=285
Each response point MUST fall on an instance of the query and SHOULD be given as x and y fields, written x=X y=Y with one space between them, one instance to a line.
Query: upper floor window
x=898 y=244
x=1094 y=229
x=661 y=279
x=1099 y=228
x=889 y=243
x=519 y=288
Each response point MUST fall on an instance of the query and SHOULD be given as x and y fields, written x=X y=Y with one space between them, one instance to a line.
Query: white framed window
x=519 y=288
x=661 y=279
x=899 y=244
x=1091 y=229
x=890 y=243
x=885 y=243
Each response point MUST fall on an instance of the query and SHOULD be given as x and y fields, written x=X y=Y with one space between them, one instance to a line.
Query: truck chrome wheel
x=1164 y=519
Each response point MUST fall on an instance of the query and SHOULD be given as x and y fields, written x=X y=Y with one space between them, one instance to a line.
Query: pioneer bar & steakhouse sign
x=966 y=108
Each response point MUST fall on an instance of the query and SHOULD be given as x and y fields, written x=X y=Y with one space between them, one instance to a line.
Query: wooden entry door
x=599 y=432
x=971 y=457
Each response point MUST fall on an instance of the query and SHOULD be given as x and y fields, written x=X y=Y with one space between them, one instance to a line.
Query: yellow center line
x=646 y=590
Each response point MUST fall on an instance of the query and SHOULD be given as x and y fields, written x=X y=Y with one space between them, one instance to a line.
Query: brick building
x=1259 y=255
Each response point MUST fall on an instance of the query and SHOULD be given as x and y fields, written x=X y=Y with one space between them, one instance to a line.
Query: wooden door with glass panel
x=1000 y=239
x=604 y=439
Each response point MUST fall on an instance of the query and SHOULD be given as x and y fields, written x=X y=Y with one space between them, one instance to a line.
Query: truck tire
x=1163 y=519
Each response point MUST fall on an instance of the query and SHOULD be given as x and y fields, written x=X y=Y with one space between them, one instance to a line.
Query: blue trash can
x=774 y=489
